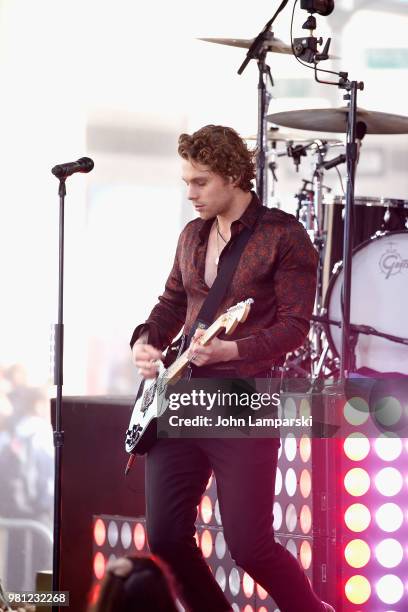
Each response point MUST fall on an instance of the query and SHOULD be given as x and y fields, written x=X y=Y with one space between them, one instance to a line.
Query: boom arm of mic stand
x=254 y=49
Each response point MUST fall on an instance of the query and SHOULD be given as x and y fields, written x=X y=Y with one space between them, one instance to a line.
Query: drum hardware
x=335 y=120
x=380 y=274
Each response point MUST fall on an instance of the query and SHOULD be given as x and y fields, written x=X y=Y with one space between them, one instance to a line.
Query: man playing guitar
x=277 y=268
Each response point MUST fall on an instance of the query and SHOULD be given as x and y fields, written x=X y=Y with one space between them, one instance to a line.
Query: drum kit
x=379 y=260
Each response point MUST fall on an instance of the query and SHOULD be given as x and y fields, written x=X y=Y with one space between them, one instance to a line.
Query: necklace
x=219 y=235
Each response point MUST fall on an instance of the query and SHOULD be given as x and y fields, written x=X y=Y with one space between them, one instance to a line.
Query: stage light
x=262 y=594
x=290 y=446
x=139 y=536
x=217 y=514
x=390 y=589
x=356 y=411
x=290 y=408
x=357 y=553
x=277 y=516
x=248 y=585
x=99 y=565
x=113 y=534
x=389 y=481
x=358 y=589
x=389 y=553
x=206 y=509
x=305 y=483
x=234 y=581
x=291 y=547
x=388 y=447
x=206 y=543
x=99 y=532
x=220 y=545
x=389 y=517
x=304 y=408
x=290 y=482
x=305 y=448
x=357 y=482
x=126 y=535
x=220 y=577
x=357 y=517
x=248 y=608
x=278 y=482
x=388 y=411
x=291 y=518
x=305 y=519
x=356 y=446
x=305 y=554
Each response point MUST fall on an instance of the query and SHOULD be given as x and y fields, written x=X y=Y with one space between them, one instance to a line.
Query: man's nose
x=191 y=192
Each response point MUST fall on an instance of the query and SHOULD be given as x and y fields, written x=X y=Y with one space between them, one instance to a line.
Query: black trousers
x=177 y=472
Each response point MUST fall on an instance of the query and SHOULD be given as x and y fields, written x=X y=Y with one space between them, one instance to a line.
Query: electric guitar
x=151 y=399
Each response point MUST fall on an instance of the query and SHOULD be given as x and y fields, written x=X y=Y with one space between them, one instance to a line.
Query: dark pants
x=177 y=472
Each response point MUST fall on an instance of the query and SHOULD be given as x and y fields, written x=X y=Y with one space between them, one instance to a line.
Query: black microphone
x=84 y=164
x=332 y=163
x=323 y=7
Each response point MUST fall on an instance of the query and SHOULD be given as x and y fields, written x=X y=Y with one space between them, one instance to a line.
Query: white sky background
x=64 y=66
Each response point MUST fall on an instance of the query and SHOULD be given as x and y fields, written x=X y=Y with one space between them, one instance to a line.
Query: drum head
x=379 y=298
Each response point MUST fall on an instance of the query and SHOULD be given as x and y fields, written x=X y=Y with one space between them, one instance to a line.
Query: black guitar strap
x=223 y=279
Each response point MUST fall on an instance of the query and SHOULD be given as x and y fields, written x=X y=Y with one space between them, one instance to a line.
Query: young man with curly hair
x=277 y=268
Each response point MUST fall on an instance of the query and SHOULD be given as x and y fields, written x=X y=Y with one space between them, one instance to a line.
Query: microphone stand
x=58 y=381
x=258 y=51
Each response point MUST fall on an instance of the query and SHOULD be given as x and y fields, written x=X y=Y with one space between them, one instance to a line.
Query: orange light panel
x=356 y=447
x=99 y=565
x=262 y=594
x=248 y=585
x=357 y=553
x=206 y=543
x=305 y=448
x=357 y=589
x=357 y=517
x=357 y=482
x=139 y=536
x=99 y=532
x=305 y=519
x=305 y=483
x=206 y=509
x=305 y=554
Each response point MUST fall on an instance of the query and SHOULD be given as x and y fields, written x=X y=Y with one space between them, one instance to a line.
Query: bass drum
x=379 y=298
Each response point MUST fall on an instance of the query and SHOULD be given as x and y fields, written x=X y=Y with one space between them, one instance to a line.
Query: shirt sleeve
x=168 y=315
x=295 y=288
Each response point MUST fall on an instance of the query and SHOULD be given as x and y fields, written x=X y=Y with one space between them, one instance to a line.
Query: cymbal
x=335 y=120
x=278 y=136
x=275 y=45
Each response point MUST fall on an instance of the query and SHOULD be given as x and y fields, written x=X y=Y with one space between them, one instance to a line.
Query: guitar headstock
x=234 y=315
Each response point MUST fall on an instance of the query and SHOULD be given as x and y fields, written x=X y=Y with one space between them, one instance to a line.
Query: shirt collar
x=248 y=217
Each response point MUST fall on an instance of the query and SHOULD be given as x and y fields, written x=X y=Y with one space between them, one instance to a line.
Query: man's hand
x=144 y=357
x=214 y=352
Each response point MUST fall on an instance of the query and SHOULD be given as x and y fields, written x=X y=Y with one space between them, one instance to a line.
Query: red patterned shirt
x=277 y=269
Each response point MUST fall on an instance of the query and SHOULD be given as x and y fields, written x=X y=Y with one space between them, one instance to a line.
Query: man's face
x=210 y=193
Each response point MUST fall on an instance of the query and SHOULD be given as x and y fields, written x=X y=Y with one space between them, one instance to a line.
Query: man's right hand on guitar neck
x=144 y=357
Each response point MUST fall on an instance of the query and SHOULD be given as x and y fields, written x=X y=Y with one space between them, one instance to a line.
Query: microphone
x=62 y=171
x=332 y=163
x=323 y=7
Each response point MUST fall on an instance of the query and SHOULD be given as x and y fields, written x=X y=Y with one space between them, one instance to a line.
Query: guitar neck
x=183 y=360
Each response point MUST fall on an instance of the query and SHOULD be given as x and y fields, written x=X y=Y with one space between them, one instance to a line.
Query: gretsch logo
x=391 y=262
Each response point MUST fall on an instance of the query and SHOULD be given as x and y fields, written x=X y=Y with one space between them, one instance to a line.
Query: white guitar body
x=151 y=400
